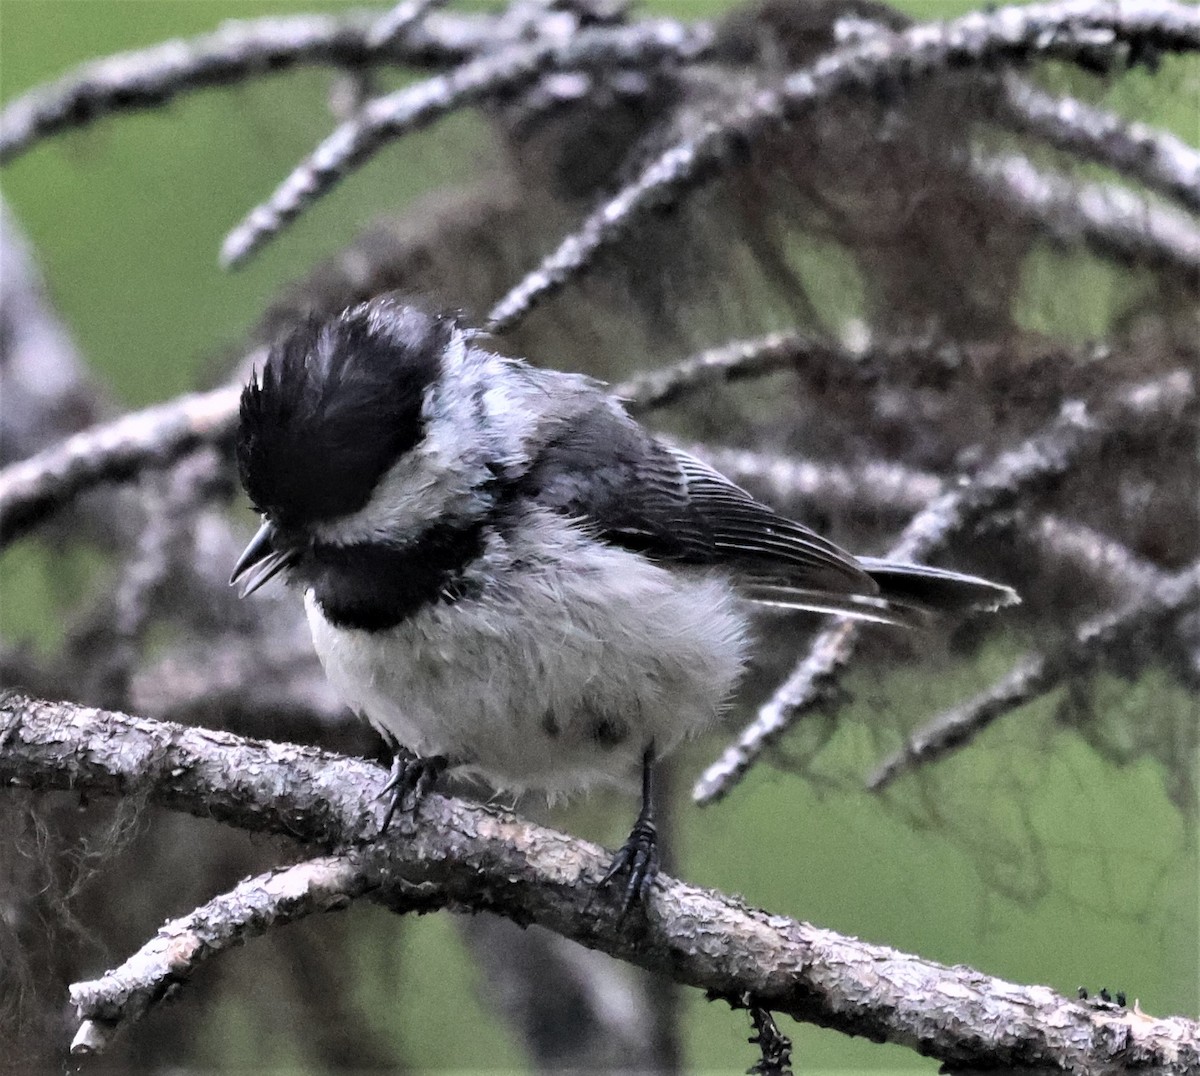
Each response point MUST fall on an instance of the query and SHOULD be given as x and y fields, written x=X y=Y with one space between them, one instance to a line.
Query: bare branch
x=1157 y=159
x=1038 y=673
x=997 y=487
x=391 y=28
x=1013 y=34
x=387 y=118
x=108 y=1005
x=730 y=362
x=149 y=439
x=485 y=859
x=150 y=78
x=773 y=1045
x=1115 y=222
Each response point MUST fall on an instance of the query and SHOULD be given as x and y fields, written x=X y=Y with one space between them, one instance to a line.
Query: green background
x=1028 y=857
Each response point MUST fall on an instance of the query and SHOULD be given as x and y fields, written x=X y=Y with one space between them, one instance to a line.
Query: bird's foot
x=408 y=782
x=637 y=863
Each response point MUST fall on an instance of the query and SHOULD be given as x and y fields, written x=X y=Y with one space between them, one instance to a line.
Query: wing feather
x=635 y=491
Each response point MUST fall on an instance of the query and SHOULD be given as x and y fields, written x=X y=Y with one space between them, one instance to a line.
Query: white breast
x=574 y=656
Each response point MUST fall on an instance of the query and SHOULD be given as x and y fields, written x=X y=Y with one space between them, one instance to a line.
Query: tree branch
x=1113 y=221
x=1012 y=34
x=1037 y=673
x=153 y=438
x=385 y=119
x=239 y=50
x=1046 y=455
x=485 y=859
x=109 y=1004
x=1157 y=159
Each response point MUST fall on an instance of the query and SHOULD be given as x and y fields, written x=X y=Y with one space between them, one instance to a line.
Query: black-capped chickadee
x=504 y=572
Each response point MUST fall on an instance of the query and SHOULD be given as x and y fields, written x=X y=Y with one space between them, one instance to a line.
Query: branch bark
x=153 y=438
x=483 y=859
x=1047 y=455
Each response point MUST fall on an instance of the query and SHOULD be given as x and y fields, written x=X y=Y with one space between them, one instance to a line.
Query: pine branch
x=239 y=50
x=1115 y=222
x=142 y=440
x=998 y=487
x=1157 y=159
x=479 y=858
x=1013 y=35
x=1038 y=673
x=413 y=108
x=106 y=1006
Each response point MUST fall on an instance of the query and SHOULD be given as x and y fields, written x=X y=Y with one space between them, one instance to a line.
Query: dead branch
x=487 y=860
x=1038 y=673
x=1157 y=159
x=149 y=439
x=385 y=119
x=1113 y=221
x=390 y=29
x=1014 y=473
x=729 y=363
x=239 y=50
x=1013 y=35
x=107 y=1005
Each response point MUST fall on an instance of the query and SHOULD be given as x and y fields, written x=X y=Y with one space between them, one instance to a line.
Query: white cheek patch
x=440 y=479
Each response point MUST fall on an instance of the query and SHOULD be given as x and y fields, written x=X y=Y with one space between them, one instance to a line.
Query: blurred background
x=1060 y=848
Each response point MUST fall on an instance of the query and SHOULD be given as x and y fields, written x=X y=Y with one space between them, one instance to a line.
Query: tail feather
x=936 y=589
x=910 y=595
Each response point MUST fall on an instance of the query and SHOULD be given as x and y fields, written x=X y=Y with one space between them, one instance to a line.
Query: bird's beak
x=264 y=558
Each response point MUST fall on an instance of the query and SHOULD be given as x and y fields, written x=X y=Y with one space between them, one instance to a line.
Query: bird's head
x=334 y=445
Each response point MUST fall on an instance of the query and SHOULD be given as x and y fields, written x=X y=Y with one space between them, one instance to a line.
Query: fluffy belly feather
x=572 y=657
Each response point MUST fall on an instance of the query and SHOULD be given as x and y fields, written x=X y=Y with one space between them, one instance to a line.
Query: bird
x=506 y=575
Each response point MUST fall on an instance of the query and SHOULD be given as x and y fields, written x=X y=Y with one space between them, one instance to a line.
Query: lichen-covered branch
x=1037 y=673
x=385 y=119
x=728 y=363
x=1014 y=35
x=1115 y=222
x=109 y=1004
x=239 y=50
x=999 y=486
x=142 y=440
x=485 y=859
x=1163 y=163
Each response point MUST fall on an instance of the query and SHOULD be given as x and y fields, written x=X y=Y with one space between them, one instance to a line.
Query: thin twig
x=774 y=1046
x=998 y=487
x=1013 y=34
x=732 y=362
x=108 y=1005
x=1115 y=222
x=390 y=29
x=1155 y=158
x=149 y=439
x=1038 y=673
x=240 y=50
x=387 y=118
x=486 y=859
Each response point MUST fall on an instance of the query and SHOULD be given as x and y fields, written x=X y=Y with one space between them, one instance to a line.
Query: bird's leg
x=637 y=859
x=408 y=781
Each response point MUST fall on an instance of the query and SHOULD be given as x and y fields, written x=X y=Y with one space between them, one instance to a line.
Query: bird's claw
x=637 y=860
x=409 y=779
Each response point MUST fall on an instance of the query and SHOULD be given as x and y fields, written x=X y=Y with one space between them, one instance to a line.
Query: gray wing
x=604 y=469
